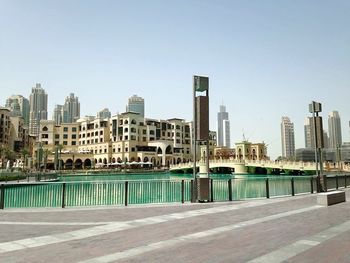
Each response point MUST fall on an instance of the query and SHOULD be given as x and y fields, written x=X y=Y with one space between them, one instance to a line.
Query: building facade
x=19 y=106
x=136 y=104
x=5 y=125
x=38 y=108
x=287 y=138
x=223 y=128
x=124 y=138
x=72 y=109
x=334 y=129
x=104 y=114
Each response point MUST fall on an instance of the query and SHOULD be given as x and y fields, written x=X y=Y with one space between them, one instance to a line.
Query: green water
x=117 y=189
x=146 y=176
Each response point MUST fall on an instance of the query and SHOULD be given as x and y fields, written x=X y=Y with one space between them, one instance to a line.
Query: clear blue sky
x=265 y=59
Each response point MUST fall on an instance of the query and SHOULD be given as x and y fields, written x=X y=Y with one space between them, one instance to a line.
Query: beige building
x=123 y=138
x=250 y=151
x=5 y=125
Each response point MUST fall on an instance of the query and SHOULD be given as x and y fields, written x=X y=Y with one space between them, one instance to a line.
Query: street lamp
x=315 y=108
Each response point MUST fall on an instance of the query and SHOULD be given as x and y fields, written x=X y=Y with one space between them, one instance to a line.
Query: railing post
x=292 y=182
x=312 y=185
x=229 y=190
x=182 y=191
x=2 y=196
x=192 y=191
x=63 y=195
x=336 y=182
x=211 y=190
x=267 y=188
x=126 y=193
x=345 y=180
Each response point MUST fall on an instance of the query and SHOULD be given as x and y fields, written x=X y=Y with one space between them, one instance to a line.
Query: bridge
x=262 y=166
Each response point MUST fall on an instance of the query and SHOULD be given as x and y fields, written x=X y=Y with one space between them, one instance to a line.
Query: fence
x=64 y=194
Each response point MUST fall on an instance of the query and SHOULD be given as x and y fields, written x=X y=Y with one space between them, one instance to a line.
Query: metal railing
x=95 y=193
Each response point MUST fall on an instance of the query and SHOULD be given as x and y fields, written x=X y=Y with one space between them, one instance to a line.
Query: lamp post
x=200 y=133
x=315 y=108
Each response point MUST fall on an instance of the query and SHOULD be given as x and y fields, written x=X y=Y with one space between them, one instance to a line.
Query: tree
x=24 y=154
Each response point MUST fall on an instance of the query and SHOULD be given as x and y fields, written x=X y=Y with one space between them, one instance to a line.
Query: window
x=144 y=132
x=101 y=140
x=105 y=150
x=96 y=133
x=88 y=134
x=133 y=149
x=101 y=132
x=126 y=149
x=65 y=136
x=96 y=140
x=45 y=128
x=126 y=129
x=74 y=136
x=74 y=129
x=74 y=143
x=65 y=143
x=100 y=150
x=57 y=136
x=118 y=150
x=151 y=132
x=65 y=129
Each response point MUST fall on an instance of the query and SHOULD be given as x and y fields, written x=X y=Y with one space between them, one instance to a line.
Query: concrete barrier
x=331 y=198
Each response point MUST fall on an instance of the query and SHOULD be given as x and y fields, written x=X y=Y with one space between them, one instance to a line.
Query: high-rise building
x=59 y=114
x=223 y=125
x=38 y=108
x=287 y=137
x=104 y=114
x=72 y=108
x=309 y=133
x=19 y=106
x=334 y=129
x=5 y=125
x=136 y=104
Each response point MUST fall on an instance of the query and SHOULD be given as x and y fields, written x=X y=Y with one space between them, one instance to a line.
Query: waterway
x=148 y=176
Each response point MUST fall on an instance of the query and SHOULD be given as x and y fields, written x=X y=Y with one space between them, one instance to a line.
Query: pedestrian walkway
x=289 y=229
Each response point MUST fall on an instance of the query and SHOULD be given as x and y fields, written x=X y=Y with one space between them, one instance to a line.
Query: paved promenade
x=289 y=229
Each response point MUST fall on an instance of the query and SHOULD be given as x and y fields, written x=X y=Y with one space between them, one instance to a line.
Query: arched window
x=45 y=128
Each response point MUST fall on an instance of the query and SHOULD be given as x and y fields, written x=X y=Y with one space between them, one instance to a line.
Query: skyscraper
x=38 y=108
x=72 y=109
x=59 y=114
x=223 y=125
x=309 y=133
x=104 y=114
x=334 y=130
x=19 y=106
x=287 y=137
x=136 y=104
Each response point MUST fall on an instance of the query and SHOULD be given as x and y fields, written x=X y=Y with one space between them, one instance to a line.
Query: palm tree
x=24 y=154
x=60 y=147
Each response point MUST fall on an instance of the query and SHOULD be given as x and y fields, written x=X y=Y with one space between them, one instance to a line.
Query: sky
x=265 y=59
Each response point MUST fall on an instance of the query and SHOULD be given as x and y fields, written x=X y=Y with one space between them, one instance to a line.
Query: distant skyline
x=265 y=59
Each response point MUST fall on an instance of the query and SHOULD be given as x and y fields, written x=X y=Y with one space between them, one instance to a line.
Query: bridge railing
x=63 y=194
